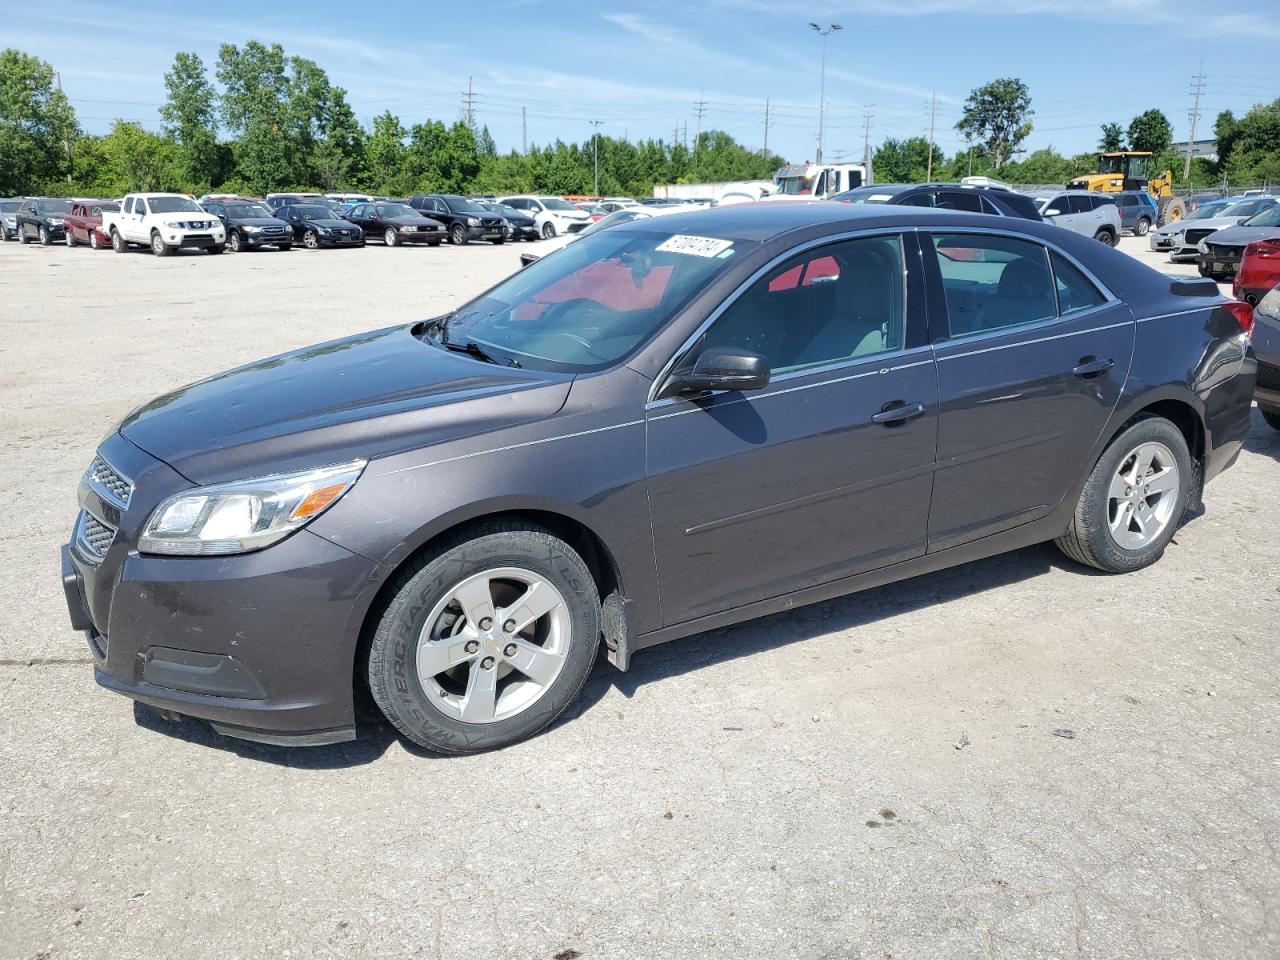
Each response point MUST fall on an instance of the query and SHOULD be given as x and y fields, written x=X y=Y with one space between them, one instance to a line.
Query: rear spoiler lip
x=1193 y=287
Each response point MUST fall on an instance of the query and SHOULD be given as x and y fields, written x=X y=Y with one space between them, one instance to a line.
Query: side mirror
x=1052 y=212
x=723 y=368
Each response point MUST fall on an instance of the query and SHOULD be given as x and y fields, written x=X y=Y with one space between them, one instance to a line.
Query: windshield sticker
x=879 y=197
x=695 y=246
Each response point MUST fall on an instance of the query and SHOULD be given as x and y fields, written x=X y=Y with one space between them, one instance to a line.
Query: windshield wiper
x=474 y=349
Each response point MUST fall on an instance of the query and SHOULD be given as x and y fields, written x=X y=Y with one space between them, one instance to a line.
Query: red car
x=84 y=223
x=1259 y=271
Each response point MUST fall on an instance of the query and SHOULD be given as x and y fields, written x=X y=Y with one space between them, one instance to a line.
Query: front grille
x=109 y=482
x=92 y=537
x=1222 y=252
x=1268 y=376
x=1195 y=236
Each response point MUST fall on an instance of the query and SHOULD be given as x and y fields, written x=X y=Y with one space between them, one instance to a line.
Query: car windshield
x=593 y=302
x=1206 y=211
x=395 y=210
x=612 y=220
x=463 y=205
x=313 y=211
x=555 y=203
x=796 y=186
x=1269 y=217
x=9 y=206
x=245 y=211
x=1243 y=208
x=54 y=206
x=172 y=205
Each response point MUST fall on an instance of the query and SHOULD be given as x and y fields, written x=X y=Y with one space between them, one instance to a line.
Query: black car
x=519 y=225
x=43 y=219
x=1221 y=251
x=250 y=224
x=9 y=217
x=464 y=219
x=315 y=226
x=998 y=201
x=738 y=410
x=396 y=223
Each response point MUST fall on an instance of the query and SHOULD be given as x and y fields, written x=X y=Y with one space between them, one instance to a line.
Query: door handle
x=1092 y=366
x=898 y=411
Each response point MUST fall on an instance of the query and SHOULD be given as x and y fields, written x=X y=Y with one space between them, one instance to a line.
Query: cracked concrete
x=714 y=802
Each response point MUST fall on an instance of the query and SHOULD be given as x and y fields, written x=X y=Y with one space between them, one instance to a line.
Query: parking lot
x=1014 y=758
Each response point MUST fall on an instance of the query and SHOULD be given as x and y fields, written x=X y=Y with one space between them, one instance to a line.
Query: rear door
x=1065 y=216
x=824 y=473
x=1031 y=360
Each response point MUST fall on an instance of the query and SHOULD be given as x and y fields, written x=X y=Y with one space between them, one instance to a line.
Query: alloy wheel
x=233 y=242
x=311 y=239
x=494 y=645
x=1142 y=496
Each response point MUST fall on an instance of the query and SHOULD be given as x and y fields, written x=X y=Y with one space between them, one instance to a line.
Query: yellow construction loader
x=1129 y=170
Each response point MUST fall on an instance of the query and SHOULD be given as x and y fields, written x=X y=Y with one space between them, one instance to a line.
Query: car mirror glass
x=723 y=368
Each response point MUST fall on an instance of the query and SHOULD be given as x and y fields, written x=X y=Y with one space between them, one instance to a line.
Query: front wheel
x=548 y=231
x=233 y=242
x=94 y=242
x=311 y=240
x=488 y=641
x=44 y=237
x=68 y=238
x=217 y=248
x=391 y=238
x=458 y=235
x=1132 y=502
x=284 y=246
x=498 y=241
x=159 y=247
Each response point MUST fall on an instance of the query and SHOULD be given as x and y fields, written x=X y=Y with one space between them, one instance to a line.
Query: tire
x=44 y=237
x=284 y=247
x=458 y=235
x=1170 y=210
x=67 y=238
x=1142 y=227
x=311 y=240
x=1105 y=237
x=22 y=236
x=1272 y=417
x=548 y=230
x=1105 y=501
x=433 y=243
x=217 y=248
x=233 y=242
x=499 y=241
x=94 y=242
x=118 y=243
x=566 y=639
x=158 y=246
x=390 y=237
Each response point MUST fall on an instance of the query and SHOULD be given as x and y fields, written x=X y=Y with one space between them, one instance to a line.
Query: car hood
x=1242 y=236
x=571 y=214
x=1210 y=223
x=332 y=224
x=369 y=396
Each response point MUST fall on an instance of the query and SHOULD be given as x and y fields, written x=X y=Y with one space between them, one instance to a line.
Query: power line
x=868 y=110
x=699 y=108
x=468 y=105
x=766 y=126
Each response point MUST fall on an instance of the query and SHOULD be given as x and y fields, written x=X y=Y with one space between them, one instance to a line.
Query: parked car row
x=1220 y=236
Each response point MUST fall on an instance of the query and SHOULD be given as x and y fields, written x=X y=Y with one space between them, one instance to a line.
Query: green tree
x=140 y=161
x=996 y=116
x=36 y=125
x=190 y=118
x=385 y=156
x=1112 y=138
x=254 y=106
x=903 y=161
x=1150 y=131
x=339 y=159
x=1043 y=167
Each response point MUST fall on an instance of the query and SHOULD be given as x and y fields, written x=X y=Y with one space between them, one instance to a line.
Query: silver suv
x=1092 y=214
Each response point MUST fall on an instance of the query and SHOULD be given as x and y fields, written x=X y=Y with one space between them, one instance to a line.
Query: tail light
x=1243 y=312
x=1264 y=248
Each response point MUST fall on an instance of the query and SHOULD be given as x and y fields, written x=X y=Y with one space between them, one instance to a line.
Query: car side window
x=957 y=200
x=992 y=283
x=1076 y=292
x=919 y=200
x=358 y=212
x=837 y=302
x=140 y=206
x=1078 y=204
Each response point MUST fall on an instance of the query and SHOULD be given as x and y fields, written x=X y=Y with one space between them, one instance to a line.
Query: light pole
x=822 y=92
x=595 y=151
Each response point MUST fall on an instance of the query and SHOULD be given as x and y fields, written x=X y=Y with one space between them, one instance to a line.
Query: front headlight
x=1202 y=247
x=250 y=228
x=408 y=229
x=472 y=222
x=245 y=515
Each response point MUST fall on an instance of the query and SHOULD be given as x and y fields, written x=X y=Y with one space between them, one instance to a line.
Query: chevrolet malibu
x=670 y=426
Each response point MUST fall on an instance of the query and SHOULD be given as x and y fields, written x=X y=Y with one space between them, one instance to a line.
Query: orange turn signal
x=317 y=500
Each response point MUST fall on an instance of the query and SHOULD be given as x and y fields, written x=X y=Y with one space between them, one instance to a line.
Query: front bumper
x=262 y=645
x=266 y=240
x=483 y=232
x=332 y=241
x=1219 y=263
x=198 y=239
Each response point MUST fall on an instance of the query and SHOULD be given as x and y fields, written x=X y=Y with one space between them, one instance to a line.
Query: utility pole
x=524 y=131
x=595 y=151
x=699 y=108
x=867 y=112
x=822 y=84
x=684 y=137
x=468 y=104
x=933 y=113
x=766 y=127
x=1199 y=79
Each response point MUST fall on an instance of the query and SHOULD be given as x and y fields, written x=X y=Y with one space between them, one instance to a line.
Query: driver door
x=824 y=473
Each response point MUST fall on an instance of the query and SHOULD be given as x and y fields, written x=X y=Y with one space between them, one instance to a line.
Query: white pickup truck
x=165 y=222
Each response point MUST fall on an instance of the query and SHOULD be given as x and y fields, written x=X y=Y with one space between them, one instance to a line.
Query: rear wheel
x=458 y=235
x=1273 y=418
x=22 y=235
x=1171 y=210
x=1142 y=227
x=1105 y=236
x=94 y=242
x=1132 y=502
x=486 y=643
x=117 y=241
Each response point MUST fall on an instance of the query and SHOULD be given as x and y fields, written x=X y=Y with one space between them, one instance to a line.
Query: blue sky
x=640 y=66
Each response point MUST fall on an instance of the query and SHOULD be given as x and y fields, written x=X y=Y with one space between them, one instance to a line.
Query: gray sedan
x=1182 y=237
